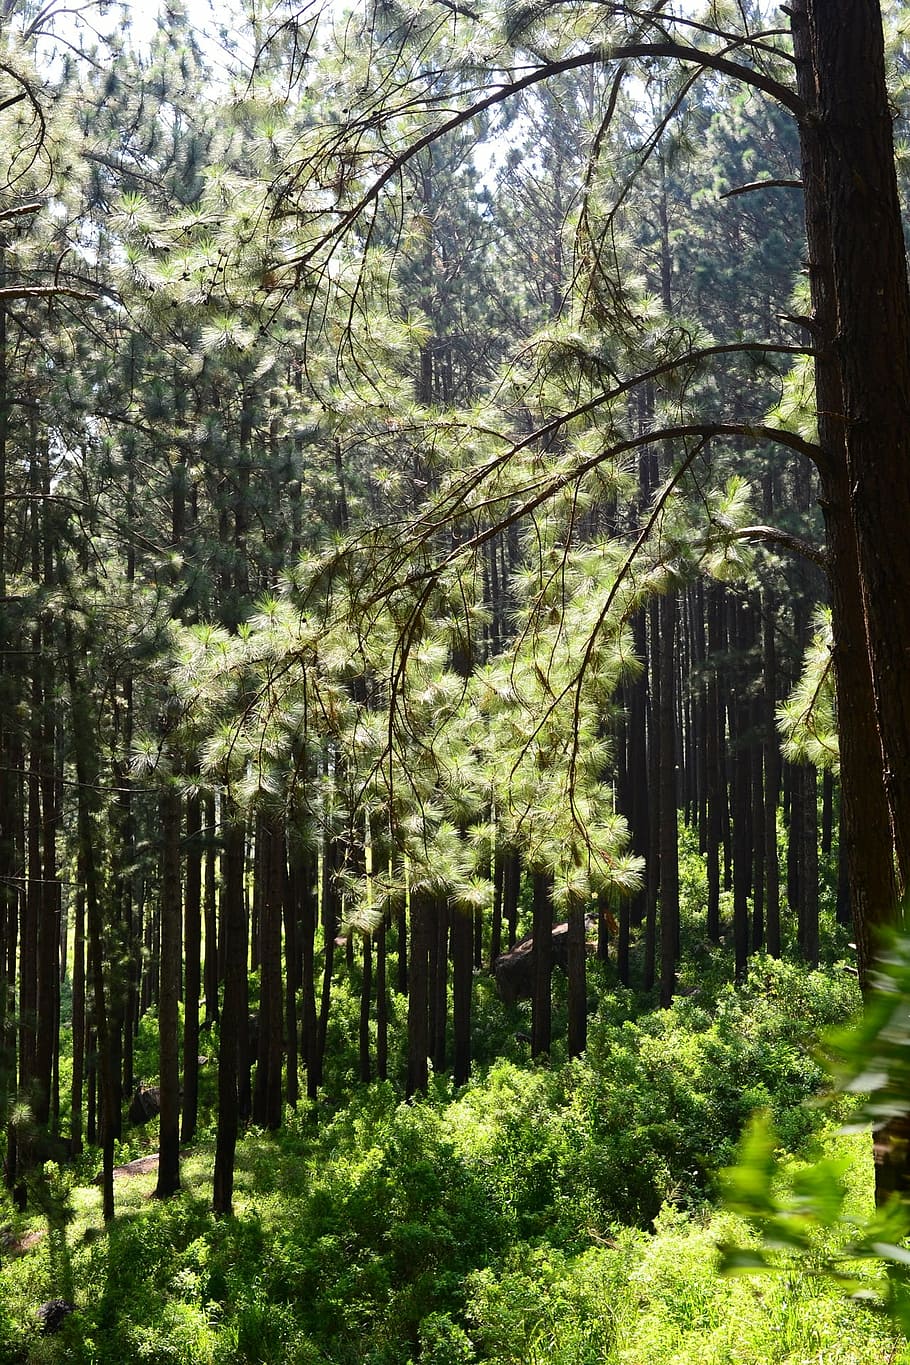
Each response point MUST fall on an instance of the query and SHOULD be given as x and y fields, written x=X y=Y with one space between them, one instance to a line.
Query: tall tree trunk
x=418 y=993
x=576 y=972
x=78 y=1016
x=668 y=819
x=772 y=779
x=382 y=1004
x=210 y=913
x=267 y=1096
x=168 y=998
x=192 y=968
x=542 y=970
x=366 y=990
x=291 y=904
x=872 y=300
x=85 y=778
x=462 y=981
x=234 y=931
x=865 y=812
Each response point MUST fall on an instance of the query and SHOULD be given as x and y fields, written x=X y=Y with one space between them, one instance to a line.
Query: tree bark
x=866 y=819
x=542 y=971
x=234 y=930
x=168 y=999
x=873 y=350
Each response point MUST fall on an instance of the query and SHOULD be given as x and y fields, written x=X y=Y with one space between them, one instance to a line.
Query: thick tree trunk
x=872 y=299
x=865 y=817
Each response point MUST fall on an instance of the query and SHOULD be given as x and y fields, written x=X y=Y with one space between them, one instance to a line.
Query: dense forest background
x=444 y=628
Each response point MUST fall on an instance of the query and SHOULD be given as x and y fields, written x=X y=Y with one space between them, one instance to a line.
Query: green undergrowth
x=561 y=1213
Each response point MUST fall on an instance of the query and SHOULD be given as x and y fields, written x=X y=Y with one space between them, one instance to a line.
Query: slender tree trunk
x=439 y=984
x=462 y=981
x=291 y=903
x=577 y=978
x=85 y=774
x=210 y=914
x=168 y=999
x=668 y=820
x=267 y=1100
x=308 y=1024
x=78 y=1016
x=772 y=779
x=418 y=993
x=366 y=992
x=233 y=922
x=542 y=971
x=382 y=1005
x=193 y=968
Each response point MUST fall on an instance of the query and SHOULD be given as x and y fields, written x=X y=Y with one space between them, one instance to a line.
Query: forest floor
x=564 y=1214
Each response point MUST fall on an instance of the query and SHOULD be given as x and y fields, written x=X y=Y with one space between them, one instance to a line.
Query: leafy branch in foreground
x=803 y=1211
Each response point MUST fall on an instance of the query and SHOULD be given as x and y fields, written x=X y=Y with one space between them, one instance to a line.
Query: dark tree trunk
x=330 y=917
x=577 y=979
x=85 y=777
x=291 y=905
x=168 y=999
x=462 y=981
x=542 y=971
x=808 y=909
x=872 y=299
x=668 y=820
x=78 y=1016
x=652 y=869
x=234 y=931
x=772 y=779
x=267 y=1099
x=496 y=922
x=742 y=806
x=308 y=1025
x=865 y=811
x=418 y=993
x=192 y=968
x=510 y=891
x=210 y=914
x=439 y=983
x=382 y=1004
x=366 y=990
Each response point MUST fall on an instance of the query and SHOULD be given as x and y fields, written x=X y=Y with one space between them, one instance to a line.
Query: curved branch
x=763 y=185
x=595 y=57
x=773 y=535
